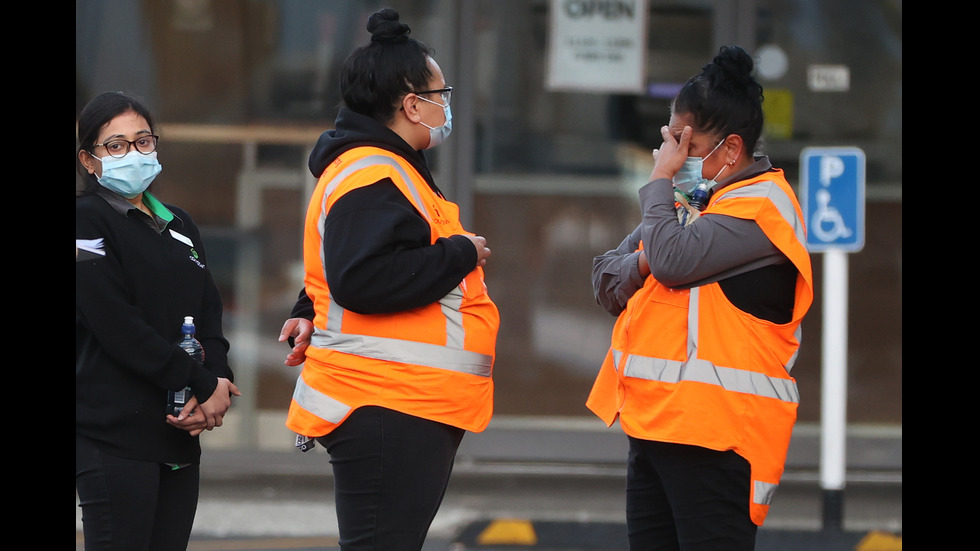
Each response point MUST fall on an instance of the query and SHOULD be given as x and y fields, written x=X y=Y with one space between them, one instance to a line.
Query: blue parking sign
x=832 y=198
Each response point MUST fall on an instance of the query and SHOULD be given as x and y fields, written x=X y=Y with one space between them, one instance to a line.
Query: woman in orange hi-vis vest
x=710 y=290
x=394 y=327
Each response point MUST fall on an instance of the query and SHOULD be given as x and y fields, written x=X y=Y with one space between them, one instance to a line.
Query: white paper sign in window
x=597 y=45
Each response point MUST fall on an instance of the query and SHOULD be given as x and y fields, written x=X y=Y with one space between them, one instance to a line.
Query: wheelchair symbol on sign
x=828 y=224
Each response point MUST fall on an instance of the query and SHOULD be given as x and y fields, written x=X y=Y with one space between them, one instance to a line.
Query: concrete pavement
x=516 y=486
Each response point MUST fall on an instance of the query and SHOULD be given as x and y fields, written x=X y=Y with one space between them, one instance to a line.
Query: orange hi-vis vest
x=433 y=362
x=686 y=366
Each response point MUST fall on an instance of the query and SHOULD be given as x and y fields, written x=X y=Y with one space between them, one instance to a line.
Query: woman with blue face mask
x=140 y=269
x=394 y=328
x=709 y=291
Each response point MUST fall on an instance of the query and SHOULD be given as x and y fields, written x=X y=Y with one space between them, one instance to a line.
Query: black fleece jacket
x=377 y=247
x=130 y=303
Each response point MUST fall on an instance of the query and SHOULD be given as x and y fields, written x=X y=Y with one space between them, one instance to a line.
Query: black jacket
x=378 y=253
x=130 y=304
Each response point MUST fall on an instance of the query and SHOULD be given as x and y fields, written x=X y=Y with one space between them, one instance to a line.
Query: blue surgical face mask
x=130 y=174
x=690 y=174
x=438 y=134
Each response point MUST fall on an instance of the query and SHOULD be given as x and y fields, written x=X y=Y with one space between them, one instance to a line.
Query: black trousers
x=687 y=498
x=134 y=505
x=391 y=471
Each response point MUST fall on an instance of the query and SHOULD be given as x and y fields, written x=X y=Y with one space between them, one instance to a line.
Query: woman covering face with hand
x=710 y=290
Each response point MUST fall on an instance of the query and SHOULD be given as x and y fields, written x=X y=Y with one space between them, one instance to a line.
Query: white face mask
x=438 y=134
x=130 y=174
x=690 y=174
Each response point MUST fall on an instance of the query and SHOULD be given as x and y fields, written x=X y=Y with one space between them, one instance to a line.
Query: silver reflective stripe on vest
x=703 y=371
x=783 y=203
x=318 y=403
x=798 y=335
x=372 y=160
x=402 y=351
x=451 y=305
x=764 y=492
x=692 y=322
x=617 y=356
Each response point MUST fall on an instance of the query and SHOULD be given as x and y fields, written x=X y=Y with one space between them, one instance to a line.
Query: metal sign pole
x=833 y=408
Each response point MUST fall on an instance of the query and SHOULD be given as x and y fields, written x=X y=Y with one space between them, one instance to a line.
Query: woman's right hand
x=191 y=419
x=672 y=153
x=301 y=330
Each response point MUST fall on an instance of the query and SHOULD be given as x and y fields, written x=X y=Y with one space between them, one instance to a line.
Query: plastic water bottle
x=177 y=399
x=699 y=197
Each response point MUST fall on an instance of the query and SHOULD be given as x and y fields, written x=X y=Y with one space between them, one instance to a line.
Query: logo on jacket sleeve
x=89 y=249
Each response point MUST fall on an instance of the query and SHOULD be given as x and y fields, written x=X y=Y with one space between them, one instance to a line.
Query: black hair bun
x=385 y=27
x=735 y=63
